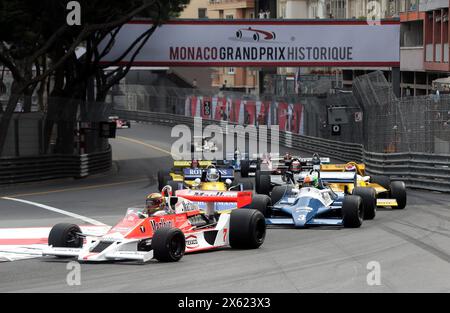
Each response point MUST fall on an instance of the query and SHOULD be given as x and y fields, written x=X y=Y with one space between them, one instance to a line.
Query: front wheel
x=260 y=203
x=369 y=199
x=168 y=244
x=245 y=168
x=65 y=235
x=278 y=193
x=352 y=212
x=398 y=192
x=262 y=183
x=247 y=229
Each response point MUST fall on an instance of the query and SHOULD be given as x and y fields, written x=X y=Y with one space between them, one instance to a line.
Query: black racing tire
x=369 y=199
x=352 y=211
x=163 y=178
x=245 y=168
x=247 y=229
x=256 y=37
x=398 y=192
x=174 y=185
x=262 y=183
x=239 y=34
x=168 y=244
x=64 y=235
x=383 y=181
x=261 y=203
x=278 y=193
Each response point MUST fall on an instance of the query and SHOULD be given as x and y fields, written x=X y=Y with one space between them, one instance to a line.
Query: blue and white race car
x=300 y=207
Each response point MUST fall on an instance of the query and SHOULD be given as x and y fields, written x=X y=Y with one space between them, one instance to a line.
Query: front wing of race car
x=100 y=249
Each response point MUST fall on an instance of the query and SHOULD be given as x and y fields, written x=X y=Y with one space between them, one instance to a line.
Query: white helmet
x=212 y=175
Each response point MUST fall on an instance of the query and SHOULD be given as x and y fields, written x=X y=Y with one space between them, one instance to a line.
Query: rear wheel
x=352 y=211
x=262 y=183
x=163 y=178
x=245 y=168
x=175 y=186
x=398 y=192
x=278 y=192
x=247 y=229
x=65 y=235
x=369 y=199
x=168 y=244
x=383 y=181
x=260 y=203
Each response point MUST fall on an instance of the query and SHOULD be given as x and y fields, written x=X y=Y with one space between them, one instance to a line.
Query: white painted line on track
x=56 y=210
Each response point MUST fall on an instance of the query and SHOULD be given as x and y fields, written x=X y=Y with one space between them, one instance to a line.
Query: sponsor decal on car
x=162 y=223
x=192 y=242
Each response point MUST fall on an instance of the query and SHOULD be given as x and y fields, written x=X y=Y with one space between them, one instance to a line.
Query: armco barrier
x=27 y=169
x=418 y=170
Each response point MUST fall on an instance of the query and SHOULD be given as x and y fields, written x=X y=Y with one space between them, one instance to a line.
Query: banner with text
x=262 y=43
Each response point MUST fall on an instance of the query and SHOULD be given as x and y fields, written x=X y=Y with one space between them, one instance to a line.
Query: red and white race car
x=120 y=123
x=184 y=228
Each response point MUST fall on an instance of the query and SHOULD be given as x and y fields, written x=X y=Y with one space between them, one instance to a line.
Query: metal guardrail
x=37 y=168
x=417 y=170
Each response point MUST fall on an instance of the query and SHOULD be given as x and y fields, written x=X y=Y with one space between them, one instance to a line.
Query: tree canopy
x=36 y=43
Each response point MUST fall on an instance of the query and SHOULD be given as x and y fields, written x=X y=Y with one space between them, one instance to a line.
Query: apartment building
x=234 y=78
x=424 y=36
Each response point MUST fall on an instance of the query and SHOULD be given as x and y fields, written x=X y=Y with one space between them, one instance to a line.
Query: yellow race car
x=388 y=194
x=201 y=175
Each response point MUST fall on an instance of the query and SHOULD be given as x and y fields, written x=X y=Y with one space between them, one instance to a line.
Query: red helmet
x=296 y=166
x=350 y=168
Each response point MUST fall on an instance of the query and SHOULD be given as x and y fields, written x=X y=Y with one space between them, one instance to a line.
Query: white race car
x=184 y=228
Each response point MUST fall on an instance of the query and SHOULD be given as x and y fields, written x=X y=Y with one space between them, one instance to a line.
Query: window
x=202 y=13
x=229 y=17
x=231 y=71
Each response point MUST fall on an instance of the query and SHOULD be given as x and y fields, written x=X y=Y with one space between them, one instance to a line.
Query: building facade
x=424 y=38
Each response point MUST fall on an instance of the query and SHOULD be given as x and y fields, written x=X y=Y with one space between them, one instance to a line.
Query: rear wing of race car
x=242 y=198
x=309 y=161
x=338 y=177
x=340 y=167
x=194 y=173
x=187 y=164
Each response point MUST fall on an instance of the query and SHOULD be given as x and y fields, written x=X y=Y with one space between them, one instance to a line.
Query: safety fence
x=369 y=114
x=43 y=167
x=418 y=170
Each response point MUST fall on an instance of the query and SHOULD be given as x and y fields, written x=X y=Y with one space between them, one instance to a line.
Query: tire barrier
x=44 y=167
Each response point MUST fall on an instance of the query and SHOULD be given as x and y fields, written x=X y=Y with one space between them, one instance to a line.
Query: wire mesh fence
x=370 y=115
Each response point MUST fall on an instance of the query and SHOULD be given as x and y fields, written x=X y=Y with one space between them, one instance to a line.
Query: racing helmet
x=212 y=175
x=296 y=166
x=311 y=181
x=350 y=168
x=287 y=156
x=154 y=203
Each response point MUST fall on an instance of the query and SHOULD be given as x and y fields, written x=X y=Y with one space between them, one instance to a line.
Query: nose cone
x=302 y=215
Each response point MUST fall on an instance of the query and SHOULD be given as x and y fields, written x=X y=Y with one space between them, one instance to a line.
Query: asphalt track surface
x=411 y=245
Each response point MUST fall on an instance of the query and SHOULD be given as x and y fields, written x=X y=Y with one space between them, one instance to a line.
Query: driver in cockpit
x=155 y=205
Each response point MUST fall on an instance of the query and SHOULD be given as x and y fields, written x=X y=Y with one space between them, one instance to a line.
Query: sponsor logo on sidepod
x=191 y=242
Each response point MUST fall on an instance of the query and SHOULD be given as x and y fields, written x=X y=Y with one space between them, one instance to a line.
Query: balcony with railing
x=231 y=4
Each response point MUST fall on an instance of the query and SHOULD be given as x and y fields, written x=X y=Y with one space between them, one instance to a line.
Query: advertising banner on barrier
x=289 y=116
x=262 y=43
